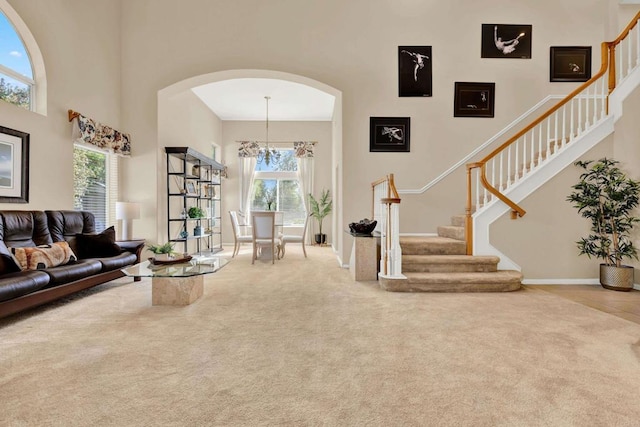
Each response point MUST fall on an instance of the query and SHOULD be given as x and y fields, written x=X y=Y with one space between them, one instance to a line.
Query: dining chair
x=295 y=238
x=263 y=231
x=239 y=237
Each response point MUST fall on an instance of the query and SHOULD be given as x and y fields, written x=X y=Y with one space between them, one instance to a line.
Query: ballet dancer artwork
x=570 y=63
x=389 y=134
x=414 y=71
x=474 y=99
x=506 y=41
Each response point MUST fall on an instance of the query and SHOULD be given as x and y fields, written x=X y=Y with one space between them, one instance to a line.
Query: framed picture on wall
x=506 y=41
x=191 y=188
x=389 y=134
x=570 y=63
x=414 y=71
x=14 y=166
x=474 y=99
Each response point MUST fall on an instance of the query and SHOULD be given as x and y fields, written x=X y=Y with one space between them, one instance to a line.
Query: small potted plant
x=195 y=212
x=269 y=197
x=162 y=252
x=319 y=210
x=607 y=197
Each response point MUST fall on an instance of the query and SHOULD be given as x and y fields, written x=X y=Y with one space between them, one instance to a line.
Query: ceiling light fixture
x=265 y=153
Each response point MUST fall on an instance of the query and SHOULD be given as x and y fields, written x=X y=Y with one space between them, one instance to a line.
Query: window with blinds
x=95 y=184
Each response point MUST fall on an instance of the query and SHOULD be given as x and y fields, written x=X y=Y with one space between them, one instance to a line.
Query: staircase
x=439 y=264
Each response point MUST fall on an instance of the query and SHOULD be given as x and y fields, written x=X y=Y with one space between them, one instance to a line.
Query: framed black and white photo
x=389 y=134
x=414 y=71
x=191 y=188
x=570 y=63
x=474 y=99
x=506 y=41
x=14 y=166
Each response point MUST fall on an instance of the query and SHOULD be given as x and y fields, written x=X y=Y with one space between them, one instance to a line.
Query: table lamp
x=127 y=212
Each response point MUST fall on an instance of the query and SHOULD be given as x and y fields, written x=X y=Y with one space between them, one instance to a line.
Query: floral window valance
x=303 y=148
x=88 y=131
x=252 y=148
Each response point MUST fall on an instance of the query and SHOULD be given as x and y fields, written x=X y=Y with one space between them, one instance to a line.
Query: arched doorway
x=177 y=114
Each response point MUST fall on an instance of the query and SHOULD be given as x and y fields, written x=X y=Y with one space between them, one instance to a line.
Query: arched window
x=22 y=80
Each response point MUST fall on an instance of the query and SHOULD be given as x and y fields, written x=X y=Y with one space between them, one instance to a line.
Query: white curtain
x=248 y=156
x=304 y=158
x=247 y=173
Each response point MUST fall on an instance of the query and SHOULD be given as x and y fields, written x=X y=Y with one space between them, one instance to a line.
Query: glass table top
x=194 y=267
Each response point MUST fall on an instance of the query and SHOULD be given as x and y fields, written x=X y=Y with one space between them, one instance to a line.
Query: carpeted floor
x=300 y=344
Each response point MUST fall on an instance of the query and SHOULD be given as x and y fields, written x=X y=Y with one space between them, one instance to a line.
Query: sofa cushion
x=73 y=271
x=45 y=256
x=98 y=245
x=116 y=262
x=19 y=229
x=13 y=285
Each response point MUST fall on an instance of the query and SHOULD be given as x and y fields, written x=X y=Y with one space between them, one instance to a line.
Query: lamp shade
x=127 y=210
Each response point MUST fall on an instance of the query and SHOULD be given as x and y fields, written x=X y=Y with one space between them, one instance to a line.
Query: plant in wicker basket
x=607 y=198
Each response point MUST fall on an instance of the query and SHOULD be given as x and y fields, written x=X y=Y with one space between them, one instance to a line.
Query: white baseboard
x=568 y=282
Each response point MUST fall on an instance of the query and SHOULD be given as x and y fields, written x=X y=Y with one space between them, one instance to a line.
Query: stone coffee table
x=176 y=284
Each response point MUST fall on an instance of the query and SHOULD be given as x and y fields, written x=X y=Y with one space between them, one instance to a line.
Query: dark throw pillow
x=98 y=245
x=8 y=263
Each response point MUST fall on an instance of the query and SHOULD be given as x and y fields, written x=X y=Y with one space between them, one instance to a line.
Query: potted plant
x=606 y=197
x=162 y=252
x=320 y=209
x=195 y=212
x=269 y=197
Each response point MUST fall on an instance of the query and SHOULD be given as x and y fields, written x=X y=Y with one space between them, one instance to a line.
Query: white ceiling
x=243 y=99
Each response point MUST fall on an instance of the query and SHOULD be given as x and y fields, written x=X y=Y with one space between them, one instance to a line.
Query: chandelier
x=265 y=153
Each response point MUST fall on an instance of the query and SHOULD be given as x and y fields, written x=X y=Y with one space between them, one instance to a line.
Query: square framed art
x=506 y=41
x=415 y=71
x=569 y=63
x=474 y=99
x=14 y=166
x=389 y=134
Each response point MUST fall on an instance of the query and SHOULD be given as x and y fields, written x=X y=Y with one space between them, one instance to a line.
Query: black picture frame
x=415 y=72
x=506 y=41
x=569 y=63
x=474 y=99
x=389 y=134
x=14 y=166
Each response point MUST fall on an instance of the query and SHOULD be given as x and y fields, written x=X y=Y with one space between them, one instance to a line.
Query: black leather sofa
x=20 y=290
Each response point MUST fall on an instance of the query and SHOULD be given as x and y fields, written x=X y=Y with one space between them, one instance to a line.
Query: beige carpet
x=299 y=343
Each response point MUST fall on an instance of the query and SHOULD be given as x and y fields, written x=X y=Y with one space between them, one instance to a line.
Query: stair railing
x=386 y=210
x=578 y=112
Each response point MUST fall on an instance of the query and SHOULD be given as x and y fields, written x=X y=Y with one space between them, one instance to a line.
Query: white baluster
x=555 y=130
x=629 y=54
x=564 y=125
x=516 y=164
x=493 y=172
x=571 y=126
x=548 y=122
x=539 y=144
x=619 y=65
x=533 y=153
x=476 y=177
x=501 y=183
x=509 y=177
x=603 y=97
x=637 y=28
x=586 y=108
x=579 y=101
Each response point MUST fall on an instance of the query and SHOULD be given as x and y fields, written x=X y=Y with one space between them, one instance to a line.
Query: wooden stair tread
x=447 y=259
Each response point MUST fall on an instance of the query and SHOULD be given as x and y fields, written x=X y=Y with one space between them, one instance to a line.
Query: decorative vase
x=616 y=278
x=197 y=231
x=184 y=234
x=162 y=257
x=320 y=238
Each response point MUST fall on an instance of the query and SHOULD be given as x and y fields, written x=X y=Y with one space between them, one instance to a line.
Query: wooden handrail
x=607 y=53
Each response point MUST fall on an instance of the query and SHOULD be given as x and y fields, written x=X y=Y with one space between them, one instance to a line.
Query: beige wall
x=115 y=76
x=183 y=121
x=233 y=131
x=83 y=73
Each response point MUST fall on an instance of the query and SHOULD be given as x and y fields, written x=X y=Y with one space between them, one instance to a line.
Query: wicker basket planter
x=616 y=278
